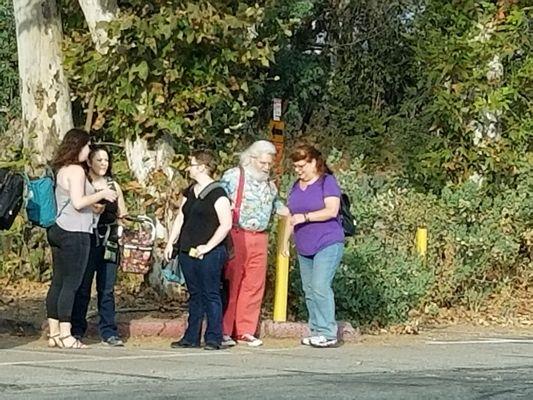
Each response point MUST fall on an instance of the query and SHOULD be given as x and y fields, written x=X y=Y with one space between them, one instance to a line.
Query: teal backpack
x=41 y=207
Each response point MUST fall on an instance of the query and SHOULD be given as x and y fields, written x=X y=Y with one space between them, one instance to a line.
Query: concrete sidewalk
x=434 y=365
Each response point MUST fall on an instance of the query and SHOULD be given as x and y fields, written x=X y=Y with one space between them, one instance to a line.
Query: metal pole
x=282 y=278
x=421 y=241
x=276 y=128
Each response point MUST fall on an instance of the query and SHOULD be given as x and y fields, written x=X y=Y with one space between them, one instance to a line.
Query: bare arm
x=223 y=210
x=74 y=175
x=122 y=210
x=287 y=232
x=174 y=231
x=283 y=211
x=331 y=210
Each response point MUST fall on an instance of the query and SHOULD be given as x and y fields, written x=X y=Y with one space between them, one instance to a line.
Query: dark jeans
x=106 y=275
x=70 y=253
x=203 y=283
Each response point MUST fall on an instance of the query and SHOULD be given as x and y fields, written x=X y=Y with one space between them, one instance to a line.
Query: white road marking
x=92 y=358
x=480 y=341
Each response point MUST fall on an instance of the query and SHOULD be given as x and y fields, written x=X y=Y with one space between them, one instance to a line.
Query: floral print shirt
x=259 y=199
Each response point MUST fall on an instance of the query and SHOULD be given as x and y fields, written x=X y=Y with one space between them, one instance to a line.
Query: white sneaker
x=250 y=340
x=227 y=340
x=323 y=342
x=306 y=341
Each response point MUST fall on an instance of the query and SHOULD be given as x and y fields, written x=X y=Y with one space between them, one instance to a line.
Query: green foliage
x=474 y=88
x=9 y=95
x=182 y=68
x=301 y=71
x=25 y=252
x=439 y=91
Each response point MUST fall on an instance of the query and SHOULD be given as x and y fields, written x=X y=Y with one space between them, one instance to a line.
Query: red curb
x=144 y=327
x=175 y=328
x=282 y=330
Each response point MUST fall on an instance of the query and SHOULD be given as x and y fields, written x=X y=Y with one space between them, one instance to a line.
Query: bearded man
x=245 y=273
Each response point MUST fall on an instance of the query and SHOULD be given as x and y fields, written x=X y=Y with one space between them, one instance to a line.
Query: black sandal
x=75 y=345
x=53 y=341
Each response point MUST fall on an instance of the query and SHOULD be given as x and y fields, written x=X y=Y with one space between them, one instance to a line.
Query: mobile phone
x=194 y=253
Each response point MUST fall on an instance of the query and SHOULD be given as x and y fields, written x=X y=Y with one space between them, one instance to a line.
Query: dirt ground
x=25 y=301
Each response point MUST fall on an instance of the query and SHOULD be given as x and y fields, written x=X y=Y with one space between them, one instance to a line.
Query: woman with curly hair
x=314 y=203
x=69 y=237
x=102 y=262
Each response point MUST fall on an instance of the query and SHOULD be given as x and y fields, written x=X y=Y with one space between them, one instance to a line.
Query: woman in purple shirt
x=314 y=203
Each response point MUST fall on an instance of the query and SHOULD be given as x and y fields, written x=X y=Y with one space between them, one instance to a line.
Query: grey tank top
x=69 y=218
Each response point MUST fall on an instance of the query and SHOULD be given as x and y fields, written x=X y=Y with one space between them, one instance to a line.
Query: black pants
x=70 y=253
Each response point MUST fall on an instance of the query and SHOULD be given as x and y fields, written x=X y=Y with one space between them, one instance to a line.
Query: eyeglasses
x=194 y=165
x=301 y=165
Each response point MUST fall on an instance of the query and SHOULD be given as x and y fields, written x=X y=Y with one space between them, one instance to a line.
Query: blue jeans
x=106 y=275
x=317 y=273
x=203 y=279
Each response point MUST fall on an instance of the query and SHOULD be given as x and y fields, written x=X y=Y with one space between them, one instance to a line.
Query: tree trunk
x=44 y=92
x=142 y=163
x=98 y=13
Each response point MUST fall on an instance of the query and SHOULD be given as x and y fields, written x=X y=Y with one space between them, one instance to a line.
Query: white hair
x=257 y=149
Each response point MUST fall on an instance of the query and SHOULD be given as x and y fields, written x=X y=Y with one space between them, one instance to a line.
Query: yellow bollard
x=421 y=241
x=282 y=278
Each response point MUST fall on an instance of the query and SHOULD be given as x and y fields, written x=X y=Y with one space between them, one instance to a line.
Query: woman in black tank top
x=102 y=260
x=199 y=232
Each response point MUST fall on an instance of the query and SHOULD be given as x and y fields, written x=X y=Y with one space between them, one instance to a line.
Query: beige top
x=69 y=218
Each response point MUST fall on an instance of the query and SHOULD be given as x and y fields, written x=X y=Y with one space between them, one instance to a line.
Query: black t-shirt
x=110 y=214
x=200 y=219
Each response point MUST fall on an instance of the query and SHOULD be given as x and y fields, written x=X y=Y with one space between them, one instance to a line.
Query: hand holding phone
x=197 y=252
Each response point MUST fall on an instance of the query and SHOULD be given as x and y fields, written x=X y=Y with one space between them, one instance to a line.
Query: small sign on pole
x=276 y=109
x=276 y=136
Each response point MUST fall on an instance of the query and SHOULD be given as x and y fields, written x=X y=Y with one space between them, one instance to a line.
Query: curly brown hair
x=307 y=152
x=69 y=149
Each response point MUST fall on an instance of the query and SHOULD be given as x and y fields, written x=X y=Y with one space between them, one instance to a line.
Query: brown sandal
x=76 y=344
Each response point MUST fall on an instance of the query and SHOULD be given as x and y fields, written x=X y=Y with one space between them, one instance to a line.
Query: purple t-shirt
x=311 y=237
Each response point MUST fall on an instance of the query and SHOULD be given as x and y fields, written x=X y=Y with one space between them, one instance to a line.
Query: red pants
x=246 y=275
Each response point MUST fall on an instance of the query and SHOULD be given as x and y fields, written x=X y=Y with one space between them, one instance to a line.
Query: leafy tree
x=474 y=86
x=372 y=74
x=187 y=69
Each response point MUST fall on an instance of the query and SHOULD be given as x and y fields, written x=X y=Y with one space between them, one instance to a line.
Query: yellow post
x=421 y=241
x=282 y=278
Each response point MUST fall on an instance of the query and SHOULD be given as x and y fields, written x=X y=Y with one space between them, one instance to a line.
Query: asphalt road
x=480 y=368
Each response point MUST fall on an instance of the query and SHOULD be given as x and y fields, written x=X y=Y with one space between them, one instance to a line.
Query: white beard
x=256 y=175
